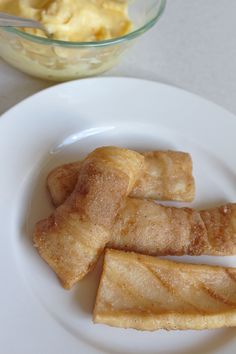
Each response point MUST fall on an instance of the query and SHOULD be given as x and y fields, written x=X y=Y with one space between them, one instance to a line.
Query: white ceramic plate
x=63 y=124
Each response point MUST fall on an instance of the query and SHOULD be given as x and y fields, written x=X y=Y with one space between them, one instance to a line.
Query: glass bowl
x=60 y=61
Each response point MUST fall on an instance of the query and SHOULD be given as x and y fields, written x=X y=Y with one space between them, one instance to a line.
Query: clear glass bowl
x=60 y=61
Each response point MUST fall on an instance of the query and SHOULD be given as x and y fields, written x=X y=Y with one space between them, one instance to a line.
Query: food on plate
x=98 y=213
x=147 y=293
x=73 y=237
x=136 y=290
x=61 y=181
x=69 y=20
x=147 y=227
x=167 y=176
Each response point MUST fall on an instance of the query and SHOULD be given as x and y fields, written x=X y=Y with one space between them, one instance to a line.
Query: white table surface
x=193 y=47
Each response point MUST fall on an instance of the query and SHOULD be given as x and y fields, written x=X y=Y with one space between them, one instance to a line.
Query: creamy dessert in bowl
x=87 y=37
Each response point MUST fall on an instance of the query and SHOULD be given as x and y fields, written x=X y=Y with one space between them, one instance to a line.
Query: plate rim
x=111 y=78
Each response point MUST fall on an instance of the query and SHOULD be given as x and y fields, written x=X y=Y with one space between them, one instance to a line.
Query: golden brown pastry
x=167 y=176
x=62 y=180
x=147 y=293
x=146 y=227
x=72 y=238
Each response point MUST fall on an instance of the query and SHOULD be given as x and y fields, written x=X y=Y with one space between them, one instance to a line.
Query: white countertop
x=193 y=47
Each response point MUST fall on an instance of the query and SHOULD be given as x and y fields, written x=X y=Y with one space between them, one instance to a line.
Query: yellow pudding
x=74 y=20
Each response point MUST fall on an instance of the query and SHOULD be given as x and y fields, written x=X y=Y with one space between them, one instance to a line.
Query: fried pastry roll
x=147 y=293
x=167 y=176
x=149 y=228
x=72 y=238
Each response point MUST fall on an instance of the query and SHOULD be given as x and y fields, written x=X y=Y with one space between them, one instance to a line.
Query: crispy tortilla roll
x=147 y=293
x=62 y=180
x=72 y=238
x=167 y=176
x=146 y=227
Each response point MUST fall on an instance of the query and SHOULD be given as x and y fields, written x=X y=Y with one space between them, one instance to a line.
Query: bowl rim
x=108 y=42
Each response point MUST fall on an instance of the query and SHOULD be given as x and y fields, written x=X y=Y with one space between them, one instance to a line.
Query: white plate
x=63 y=124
